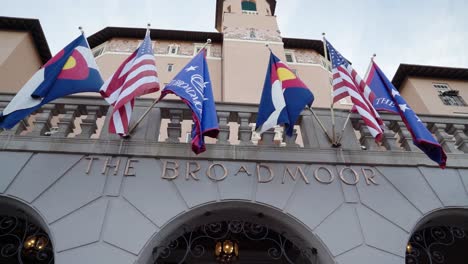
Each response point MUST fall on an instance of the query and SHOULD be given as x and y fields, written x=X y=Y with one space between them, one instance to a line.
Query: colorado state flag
x=72 y=70
x=284 y=96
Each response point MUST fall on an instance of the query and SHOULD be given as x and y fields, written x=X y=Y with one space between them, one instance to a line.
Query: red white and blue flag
x=135 y=77
x=72 y=70
x=389 y=99
x=284 y=96
x=346 y=82
x=193 y=85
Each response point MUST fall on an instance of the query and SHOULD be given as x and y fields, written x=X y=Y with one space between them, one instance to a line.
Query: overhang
x=34 y=27
x=436 y=72
x=156 y=34
x=293 y=43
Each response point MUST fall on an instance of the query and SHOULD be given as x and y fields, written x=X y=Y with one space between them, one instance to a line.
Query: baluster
x=174 y=128
x=268 y=137
x=461 y=138
x=406 y=140
x=224 y=130
x=290 y=141
x=17 y=129
x=245 y=131
x=389 y=140
x=88 y=124
x=445 y=140
x=366 y=139
x=66 y=123
x=42 y=123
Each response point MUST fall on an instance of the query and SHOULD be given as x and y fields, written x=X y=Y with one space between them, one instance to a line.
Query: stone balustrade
x=78 y=124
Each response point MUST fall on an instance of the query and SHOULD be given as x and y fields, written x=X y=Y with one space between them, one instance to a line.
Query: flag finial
x=80 y=28
x=208 y=41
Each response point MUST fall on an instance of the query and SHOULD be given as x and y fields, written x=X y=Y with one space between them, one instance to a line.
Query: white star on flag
x=191 y=68
x=395 y=92
x=404 y=107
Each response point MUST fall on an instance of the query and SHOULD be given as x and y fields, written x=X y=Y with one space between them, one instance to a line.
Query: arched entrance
x=440 y=238
x=236 y=232
x=23 y=238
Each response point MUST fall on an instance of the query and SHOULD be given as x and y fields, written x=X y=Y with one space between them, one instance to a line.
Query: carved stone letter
x=174 y=168
x=192 y=172
x=355 y=174
x=208 y=172
x=369 y=178
x=294 y=177
x=128 y=167
x=317 y=176
x=259 y=177
x=108 y=165
x=90 y=163
x=243 y=169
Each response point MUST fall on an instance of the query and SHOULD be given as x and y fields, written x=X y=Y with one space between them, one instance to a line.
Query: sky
x=430 y=32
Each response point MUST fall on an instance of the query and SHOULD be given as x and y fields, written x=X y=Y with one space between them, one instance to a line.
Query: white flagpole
x=325 y=51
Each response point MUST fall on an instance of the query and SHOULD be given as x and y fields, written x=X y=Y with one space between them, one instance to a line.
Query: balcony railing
x=79 y=125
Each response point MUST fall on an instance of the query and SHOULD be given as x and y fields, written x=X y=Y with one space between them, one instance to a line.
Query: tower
x=247 y=26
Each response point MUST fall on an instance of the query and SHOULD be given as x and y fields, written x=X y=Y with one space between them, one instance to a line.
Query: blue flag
x=72 y=70
x=193 y=85
x=389 y=99
x=284 y=96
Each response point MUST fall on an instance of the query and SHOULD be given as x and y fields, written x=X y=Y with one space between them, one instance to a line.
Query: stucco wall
x=19 y=60
x=424 y=98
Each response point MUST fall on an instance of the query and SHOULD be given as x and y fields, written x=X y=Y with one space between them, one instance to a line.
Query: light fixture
x=409 y=248
x=36 y=243
x=226 y=251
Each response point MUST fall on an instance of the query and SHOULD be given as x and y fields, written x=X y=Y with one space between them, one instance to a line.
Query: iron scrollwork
x=191 y=241
x=23 y=242
x=425 y=245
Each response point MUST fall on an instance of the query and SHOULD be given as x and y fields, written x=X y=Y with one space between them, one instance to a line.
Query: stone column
x=174 y=128
x=224 y=131
x=245 y=131
x=41 y=124
x=445 y=140
x=66 y=123
x=88 y=125
x=461 y=137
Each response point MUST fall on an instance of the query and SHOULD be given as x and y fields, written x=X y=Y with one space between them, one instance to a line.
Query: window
x=98 y=51
x=249 y=6
x=198 y=47
x=449 y=96
x=290 y=57
x=170 y=67
x=173 y=49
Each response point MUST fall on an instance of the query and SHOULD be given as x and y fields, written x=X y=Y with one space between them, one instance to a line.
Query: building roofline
x=219 y=10
x=412 y=70
x=34 y=27
x=160 y=34
x=294 y=43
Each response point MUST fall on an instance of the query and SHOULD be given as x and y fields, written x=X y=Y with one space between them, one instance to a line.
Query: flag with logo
x=72 y=70
x=193 y=85
x=136 y=76
x=284 y=96
x=346 y=82
x=389 y=99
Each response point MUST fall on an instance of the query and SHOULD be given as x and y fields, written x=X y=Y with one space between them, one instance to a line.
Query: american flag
x=346 y=82
x=136 y=76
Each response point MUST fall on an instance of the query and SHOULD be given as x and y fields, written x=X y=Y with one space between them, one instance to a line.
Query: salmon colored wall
x=19 y=60
x=420 y=91
x=109 y=62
